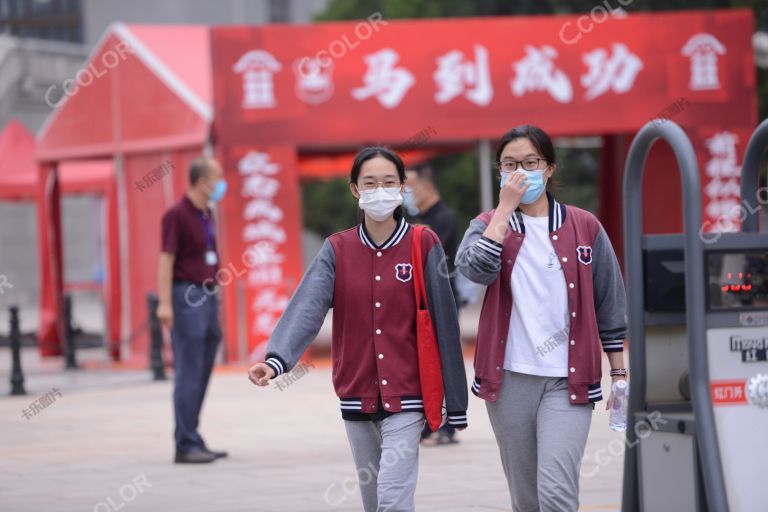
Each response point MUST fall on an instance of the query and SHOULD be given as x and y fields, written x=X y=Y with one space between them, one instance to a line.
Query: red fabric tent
x=19 y=181
x=142 y=106
x=18 y=170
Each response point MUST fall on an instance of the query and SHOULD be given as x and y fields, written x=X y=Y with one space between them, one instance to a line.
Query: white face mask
x=380 y=203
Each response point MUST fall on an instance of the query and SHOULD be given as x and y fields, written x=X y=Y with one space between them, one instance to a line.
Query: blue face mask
x=219 y=189
x=535 y=181
x=409 y=202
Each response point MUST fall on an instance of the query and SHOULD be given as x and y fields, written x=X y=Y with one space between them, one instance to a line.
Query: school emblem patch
x=404 y=272
x=585 y=254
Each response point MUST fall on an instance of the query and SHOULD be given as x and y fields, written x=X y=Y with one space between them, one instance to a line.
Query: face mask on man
x=219 y=189
x=534 y=180
x=380 y=203
x=409 y=202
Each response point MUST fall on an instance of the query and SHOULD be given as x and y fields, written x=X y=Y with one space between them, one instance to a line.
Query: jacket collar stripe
x=364 y=237
x=394 y=239
x=512 y=222
x=556 y=213
x=400 y=231
x=516 y=221
x=556 y=216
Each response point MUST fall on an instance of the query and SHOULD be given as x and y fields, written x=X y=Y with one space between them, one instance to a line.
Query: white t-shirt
x=537 y=343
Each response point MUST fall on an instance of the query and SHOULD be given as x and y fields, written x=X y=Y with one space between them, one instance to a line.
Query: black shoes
x=218 y=455
x=195 y=457
x=203 y=456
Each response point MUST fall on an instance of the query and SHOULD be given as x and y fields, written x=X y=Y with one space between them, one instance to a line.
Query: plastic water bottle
x=617 y=417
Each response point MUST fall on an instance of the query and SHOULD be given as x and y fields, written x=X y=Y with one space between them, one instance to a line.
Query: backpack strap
x=419 y=288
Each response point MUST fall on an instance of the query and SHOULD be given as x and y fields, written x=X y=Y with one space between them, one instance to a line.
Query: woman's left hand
x=609 y=402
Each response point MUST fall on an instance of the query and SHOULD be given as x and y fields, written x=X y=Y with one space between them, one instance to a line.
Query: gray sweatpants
x=541 y=438
x=386 y=455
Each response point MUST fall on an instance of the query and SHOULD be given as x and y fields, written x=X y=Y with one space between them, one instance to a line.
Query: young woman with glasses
x=366 y=275
x=555 y=301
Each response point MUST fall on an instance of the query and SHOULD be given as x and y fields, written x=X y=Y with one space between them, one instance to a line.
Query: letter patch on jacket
x=585 y=254
x=404 y=272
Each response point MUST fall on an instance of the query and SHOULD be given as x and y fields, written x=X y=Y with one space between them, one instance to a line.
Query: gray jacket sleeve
x=610 y=298
x=301 y=321
x=442 y=309
x=479 y=257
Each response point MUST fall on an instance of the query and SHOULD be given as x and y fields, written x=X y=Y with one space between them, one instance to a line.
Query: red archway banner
x=464 y=79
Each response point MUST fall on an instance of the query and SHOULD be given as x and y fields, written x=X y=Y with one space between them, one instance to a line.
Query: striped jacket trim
x=395 y=238
x=407 y=404
x=594 y=391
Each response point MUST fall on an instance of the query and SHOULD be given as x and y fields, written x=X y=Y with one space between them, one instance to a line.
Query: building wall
x=98 y=14
x=28 y=69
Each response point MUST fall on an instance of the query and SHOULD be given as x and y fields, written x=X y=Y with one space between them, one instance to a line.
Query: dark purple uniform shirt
x=189 y=233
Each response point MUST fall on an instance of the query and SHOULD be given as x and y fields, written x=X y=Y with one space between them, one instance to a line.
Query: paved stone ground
x=106 y=445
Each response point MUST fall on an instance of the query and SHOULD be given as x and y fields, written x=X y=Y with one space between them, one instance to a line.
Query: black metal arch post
x=695 y=304
x=750 y=174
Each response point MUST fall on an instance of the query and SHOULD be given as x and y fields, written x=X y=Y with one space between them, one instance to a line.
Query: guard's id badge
x=211 y=258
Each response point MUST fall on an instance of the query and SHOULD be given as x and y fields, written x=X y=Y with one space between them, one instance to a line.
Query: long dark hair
x=369 y=152
x=539 y=140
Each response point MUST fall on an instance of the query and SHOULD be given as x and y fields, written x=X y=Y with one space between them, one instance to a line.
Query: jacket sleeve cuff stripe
x=457 y=419
x=613 y=346
x=276 y=365
x=489 y=246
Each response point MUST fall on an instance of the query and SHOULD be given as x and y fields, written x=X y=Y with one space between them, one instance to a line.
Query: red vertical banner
x=720 y=151
x=260 y=243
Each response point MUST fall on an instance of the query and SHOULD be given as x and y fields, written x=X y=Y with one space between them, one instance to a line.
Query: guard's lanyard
x=208 y=231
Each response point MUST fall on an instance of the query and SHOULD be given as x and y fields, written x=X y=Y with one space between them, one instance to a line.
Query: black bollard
x=156 y=363
x=17 y=376
x=70 y=362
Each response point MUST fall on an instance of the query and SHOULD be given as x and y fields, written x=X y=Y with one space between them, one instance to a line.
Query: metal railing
x=750 y=175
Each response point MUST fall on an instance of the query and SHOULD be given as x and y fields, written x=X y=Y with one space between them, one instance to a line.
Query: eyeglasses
x=369 y=185
x=528 y=164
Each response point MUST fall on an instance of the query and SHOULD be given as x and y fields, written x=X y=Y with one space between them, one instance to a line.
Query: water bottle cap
x=619 y=388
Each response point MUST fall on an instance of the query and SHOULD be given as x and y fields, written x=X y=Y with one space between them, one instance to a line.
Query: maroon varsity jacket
x=374 y=322
x=596 y=297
